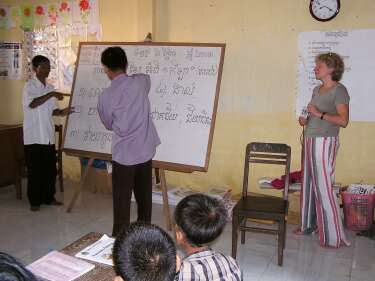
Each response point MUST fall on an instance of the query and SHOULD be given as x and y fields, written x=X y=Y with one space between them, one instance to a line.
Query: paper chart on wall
x=357 y=49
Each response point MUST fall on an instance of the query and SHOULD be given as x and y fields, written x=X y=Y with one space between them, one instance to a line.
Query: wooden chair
x=263 y=207
x=59 y=131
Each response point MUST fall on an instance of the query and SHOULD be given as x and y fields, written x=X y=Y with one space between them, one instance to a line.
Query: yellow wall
x=258 y=86
x=257 y=97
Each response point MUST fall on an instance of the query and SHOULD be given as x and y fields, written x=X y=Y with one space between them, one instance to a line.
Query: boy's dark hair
x=39 y=59
x=12 y=270
x=201 y=218
x=144 y=252
x=114 y=58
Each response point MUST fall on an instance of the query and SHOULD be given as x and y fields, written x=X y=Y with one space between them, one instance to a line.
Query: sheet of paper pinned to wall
x=357 y=49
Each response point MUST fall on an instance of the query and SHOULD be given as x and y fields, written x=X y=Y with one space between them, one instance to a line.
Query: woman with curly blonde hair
x=328 y=110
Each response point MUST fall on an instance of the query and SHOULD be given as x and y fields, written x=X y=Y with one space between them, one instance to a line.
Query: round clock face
x=324 y=10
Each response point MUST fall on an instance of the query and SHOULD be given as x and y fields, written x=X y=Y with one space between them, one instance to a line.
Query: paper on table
x=100 y=251
x=57 y=266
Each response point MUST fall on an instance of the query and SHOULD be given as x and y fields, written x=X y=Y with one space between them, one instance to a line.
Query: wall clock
x=324 y=10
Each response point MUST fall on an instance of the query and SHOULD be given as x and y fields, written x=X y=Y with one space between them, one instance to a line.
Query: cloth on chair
x=294 y=177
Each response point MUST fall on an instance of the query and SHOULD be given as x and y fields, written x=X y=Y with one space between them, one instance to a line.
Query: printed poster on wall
x=10 y=61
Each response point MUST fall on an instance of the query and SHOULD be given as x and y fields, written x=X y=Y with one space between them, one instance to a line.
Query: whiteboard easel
x=185 y=85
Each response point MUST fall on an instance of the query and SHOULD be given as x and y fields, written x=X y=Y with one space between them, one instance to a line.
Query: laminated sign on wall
x=10 y=61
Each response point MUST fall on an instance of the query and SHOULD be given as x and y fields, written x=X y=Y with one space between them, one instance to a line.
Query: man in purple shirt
x=124 y=108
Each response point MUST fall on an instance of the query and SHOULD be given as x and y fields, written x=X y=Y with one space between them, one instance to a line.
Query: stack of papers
x=361 y=189
x=176 y=194
x=57 y=266
x=100 y=251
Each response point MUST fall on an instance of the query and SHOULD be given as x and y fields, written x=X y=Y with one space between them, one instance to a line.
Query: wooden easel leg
x=79 y=188
x=18 y=180
x=164 y=190
x=109 y=181
x=157 y=176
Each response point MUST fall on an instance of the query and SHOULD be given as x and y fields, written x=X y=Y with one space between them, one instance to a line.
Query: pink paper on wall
x=40 y=15
x=86 y=12
x=52 y=13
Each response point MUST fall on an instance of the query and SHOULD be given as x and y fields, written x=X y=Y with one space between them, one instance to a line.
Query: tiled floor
x=29 y=235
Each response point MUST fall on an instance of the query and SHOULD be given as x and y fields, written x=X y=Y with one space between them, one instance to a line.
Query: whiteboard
x=185 y=83
x=357 y=47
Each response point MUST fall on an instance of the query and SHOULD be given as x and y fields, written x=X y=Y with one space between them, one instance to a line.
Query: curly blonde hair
x=334 y=61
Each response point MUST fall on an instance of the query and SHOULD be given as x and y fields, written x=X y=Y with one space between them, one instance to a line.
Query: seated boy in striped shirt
x=200 y=219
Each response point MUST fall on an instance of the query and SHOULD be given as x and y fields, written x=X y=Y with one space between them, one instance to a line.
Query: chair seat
x=271 y=205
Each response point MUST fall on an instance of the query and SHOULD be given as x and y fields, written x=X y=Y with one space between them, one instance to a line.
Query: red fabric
x=294 y=177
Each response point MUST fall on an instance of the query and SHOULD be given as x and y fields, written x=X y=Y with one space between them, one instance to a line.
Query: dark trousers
x=125 y=179
x=41 y=173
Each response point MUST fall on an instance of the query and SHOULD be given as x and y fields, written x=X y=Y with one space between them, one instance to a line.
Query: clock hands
x=331 y=10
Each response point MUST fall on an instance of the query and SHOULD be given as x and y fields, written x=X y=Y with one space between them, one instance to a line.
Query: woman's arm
x=341 y=118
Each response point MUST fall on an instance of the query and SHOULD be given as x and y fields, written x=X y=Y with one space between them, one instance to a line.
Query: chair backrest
x=267 y=153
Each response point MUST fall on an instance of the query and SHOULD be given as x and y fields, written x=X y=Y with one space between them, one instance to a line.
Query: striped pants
x=319 y=206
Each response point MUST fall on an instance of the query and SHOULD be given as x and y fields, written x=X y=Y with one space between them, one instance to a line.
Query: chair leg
x=61 y=180
x=60 y=173
x=18 y=181
x=280 y=242
x=243 y=223
x=284 y=234
x=234 y=235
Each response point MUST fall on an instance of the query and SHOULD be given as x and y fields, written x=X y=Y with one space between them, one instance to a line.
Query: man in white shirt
x=39 y=104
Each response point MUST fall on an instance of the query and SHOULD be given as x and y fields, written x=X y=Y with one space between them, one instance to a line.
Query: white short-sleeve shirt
x=38 y=125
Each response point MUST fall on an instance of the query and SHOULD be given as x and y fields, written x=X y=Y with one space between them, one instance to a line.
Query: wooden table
x=12 y=156
x=101 y=272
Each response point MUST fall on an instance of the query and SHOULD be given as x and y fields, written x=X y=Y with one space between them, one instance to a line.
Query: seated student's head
x=114 y=60
x=200 y=219
x=41 y=66
x=144 y=252
x=12 y=270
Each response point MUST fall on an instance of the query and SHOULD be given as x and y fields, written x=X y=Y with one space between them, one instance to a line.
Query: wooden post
x=79 y=188
x=164 y=190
